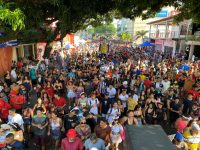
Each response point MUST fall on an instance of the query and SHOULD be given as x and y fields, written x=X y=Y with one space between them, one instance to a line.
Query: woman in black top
x=160 y=114
x=175 y=109
x=130 y=119
x=150 y=113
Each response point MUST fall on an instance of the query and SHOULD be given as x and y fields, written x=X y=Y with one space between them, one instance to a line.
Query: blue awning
x=9 y=43
x=146 y=43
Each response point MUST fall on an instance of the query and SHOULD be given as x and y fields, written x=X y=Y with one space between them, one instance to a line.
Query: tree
x=141 y=34
x=13 y=18
x=125 y=36
x=105 y=29
x=46 y=19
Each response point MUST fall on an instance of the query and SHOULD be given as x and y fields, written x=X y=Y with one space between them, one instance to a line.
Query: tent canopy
x=146 y=43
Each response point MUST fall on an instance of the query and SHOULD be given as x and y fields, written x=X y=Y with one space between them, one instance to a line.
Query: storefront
x=159 y=45
x=169 y=48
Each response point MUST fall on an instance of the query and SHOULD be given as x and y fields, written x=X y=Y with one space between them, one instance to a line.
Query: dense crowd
x=86 y=100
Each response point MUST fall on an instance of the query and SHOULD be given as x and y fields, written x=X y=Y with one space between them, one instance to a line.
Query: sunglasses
x=83 y=122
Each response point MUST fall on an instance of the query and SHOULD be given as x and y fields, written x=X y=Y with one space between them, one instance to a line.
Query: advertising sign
x=162 y=13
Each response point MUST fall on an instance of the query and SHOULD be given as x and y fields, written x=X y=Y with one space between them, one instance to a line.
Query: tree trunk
x=47 y=50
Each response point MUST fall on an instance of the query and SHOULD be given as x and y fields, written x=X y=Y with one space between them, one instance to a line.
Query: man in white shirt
x=13 y=117
x=166 y=85
x=111 y=94
x=13 y=74
x=124 y=97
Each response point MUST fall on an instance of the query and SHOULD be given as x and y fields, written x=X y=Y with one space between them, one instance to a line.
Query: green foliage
x=14 y=18
x=193 y=38
x=125 y=36
x=141 y=34
x=37 y=16
x=105 y=29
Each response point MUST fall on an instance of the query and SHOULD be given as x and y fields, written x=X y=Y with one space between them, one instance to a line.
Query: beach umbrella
x=184 y=67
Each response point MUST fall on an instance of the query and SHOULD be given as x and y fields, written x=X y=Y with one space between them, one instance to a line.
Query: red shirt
x=17 y=101
x=147 y=83
x=76 y=145
x=4 y=109
x=194 y=93
x=59 y=102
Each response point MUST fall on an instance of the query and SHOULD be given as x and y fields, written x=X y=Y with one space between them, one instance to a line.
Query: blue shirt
x=17 y=145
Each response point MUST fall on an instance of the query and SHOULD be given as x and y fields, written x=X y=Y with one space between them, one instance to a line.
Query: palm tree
x=141 y=34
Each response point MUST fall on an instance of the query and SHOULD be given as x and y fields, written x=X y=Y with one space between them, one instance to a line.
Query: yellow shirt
x=131 y=103
x=142 y=77
x=192 y=141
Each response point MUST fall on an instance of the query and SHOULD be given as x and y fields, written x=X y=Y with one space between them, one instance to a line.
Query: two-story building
x=169 y=38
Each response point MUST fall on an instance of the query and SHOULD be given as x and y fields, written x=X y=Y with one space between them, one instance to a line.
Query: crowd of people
x=87 y=100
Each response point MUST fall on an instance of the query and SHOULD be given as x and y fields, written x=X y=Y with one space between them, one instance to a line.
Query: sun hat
x=7 y=127
x=71 y=133
x=195 y=127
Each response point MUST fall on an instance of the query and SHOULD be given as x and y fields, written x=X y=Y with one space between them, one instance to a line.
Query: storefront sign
x=169 y=43
x=159 y=42
x=162 y=13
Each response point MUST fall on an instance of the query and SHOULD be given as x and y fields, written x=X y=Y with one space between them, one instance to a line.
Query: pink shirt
x=76 y=145
x=181 y=125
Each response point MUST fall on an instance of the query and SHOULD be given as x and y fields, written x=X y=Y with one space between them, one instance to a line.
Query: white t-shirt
x=113 y=114
x=93 y=104
x=13 y=74
x=112 y=92
x=124 y=99
x=16 y=119
x=166 y=85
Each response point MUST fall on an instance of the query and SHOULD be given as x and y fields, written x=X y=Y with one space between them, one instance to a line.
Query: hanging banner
x=104 y=47
x=71 y=38
x=40 y=50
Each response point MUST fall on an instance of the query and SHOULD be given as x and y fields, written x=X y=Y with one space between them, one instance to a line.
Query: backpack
x=91 y=102
x=112 y=109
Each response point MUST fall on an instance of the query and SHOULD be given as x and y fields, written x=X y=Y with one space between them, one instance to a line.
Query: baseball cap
x=71 y=133
x=125 y=82
x=179 y=136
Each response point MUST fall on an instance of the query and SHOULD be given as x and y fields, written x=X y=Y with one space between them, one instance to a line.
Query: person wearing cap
x=94 y=143
x=192 y=137
x=124 y=86
x=71 y=142
x=82 y=101
x=124 y=97
x=70 y=120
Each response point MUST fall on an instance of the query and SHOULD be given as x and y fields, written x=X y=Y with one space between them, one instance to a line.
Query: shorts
x=40 y=139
